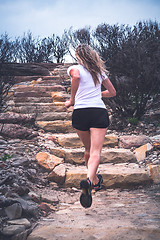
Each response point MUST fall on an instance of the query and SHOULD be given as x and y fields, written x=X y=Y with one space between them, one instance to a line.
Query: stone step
x=108 y=155
x=39 y=107
x=57 y=96
x=26 y=79
x=51 y=82
x=33 y=99
x=71 y=140
x=114 y=176
x=52 y=77
x=53 y=116
x=49 y=116
x=38 y=88
x=59 y=126
x=38 y=77
x=32 y=94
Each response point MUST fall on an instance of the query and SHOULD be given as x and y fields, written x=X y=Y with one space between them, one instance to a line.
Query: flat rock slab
x=49 y=233
x=56 y=126
x=33 y=99
x=119 y=175
x=114 y=215
x=37 y=108
x=53 y=116
x=37 y=87
x=108 y=155
x=128 y=141
x=72 y=140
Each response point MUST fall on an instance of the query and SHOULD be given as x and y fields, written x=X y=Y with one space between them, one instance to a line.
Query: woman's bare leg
x=97 y=140
x=85 y=138
x=93 y=142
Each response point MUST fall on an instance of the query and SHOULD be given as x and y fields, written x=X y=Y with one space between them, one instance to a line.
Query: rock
x=111 y=141
x=156 y=145
x=45 y=208
x=127 y=141
x=113 y=232
x=22 y=221
x=14 y=211
x=19 y=161
x=56 y=126
x=47 y=160
x=13 y=230
x=16 y=131
x=12 y=117
x=76 y=156
x=25 y=70
x=58 y=174
x=155 y=173
x=73 y=156
x=140 y=152
x=22 y=190
x=3 y=142
x=5 y=202
x=29 y=207
x=34 y=197
x=50 y=199
x=53 y=116
x=71 y=140
x=119 y=175
x=155 y=138
x=8 y=180
x=34 y=100
x=21 y=236
x=59 y=104
x=59 y=96
x=41 y=107
x=32 y=93
x=117 y=155
x=38 y=88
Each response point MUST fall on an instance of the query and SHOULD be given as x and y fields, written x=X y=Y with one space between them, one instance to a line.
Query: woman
x=90 y=117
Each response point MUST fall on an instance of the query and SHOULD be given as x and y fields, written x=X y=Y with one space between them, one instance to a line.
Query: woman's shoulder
x=79 y=67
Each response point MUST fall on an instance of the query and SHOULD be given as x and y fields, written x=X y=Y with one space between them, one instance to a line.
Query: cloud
x=43 y=18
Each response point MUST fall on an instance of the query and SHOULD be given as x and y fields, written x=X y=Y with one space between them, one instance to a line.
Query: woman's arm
x=75 y=75
x=110 y=90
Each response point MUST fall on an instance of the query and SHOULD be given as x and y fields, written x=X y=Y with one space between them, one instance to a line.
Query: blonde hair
x=90 y=59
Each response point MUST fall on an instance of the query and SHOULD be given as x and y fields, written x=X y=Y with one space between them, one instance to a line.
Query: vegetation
x=6 y=82
x=131 y=54
x=132 y=57
x=6 y=157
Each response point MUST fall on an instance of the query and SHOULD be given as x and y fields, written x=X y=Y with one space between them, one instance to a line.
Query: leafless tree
x=132 y=57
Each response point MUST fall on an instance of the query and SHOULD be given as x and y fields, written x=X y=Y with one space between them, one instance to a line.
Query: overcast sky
x=45 y=17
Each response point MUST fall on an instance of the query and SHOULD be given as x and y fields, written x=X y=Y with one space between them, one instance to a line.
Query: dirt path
x=115 y=214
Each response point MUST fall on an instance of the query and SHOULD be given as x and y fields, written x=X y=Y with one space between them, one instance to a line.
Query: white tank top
x=87 y=95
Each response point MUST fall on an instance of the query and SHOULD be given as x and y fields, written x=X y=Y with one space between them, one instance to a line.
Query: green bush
x=133 y=121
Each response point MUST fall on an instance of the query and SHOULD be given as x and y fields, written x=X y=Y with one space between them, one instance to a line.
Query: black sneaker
x=98 y=186
x=86 y=196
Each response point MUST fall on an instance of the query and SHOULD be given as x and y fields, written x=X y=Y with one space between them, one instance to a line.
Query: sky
x=47 y=17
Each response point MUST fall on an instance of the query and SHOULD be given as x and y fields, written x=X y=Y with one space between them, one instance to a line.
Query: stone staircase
x=44 y=97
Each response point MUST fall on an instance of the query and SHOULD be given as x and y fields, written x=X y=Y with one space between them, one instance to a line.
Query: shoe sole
x=86 y=196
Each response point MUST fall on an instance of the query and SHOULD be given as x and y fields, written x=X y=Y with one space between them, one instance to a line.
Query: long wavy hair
x=90 y=59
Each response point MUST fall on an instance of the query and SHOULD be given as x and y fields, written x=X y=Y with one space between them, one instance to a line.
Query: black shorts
x=85 y=118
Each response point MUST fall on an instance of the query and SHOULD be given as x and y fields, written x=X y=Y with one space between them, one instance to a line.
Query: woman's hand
x=68 y=103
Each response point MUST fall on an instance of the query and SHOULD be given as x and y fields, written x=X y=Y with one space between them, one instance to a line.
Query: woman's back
x=88 y=95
